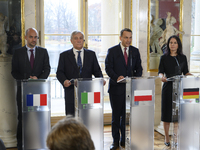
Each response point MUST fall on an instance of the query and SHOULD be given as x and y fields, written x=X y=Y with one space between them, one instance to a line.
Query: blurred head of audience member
x=2 y=146
x=69 y=134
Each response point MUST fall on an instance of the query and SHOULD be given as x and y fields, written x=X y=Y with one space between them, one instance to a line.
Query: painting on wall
x=10 y=26
x=164 y=21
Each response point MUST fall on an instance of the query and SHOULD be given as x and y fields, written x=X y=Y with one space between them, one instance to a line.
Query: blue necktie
x=79 y=63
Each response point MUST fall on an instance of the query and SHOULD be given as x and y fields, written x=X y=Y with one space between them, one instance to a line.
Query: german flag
x=191 y=93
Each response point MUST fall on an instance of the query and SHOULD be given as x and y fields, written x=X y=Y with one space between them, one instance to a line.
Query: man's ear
x=120 y=38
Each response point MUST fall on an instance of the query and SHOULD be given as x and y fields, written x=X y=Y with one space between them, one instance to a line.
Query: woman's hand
x=163 y=79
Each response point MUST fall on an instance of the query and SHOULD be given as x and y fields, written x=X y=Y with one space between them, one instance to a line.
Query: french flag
x=36 y=100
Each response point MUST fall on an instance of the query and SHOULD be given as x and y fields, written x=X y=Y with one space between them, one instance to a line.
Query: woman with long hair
x=172 y=63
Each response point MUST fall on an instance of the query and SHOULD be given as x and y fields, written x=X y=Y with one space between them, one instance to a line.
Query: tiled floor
x=158 y=140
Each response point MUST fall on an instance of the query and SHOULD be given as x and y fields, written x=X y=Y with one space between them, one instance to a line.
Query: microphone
x=131 y=57
x=79 y=75
x=25 y=66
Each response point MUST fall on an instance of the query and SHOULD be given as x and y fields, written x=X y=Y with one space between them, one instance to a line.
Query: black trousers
x=118 y=105
x=69 y=101
x=19 y=125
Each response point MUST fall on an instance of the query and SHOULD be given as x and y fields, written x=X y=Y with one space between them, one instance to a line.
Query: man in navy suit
x=24 y=68
x=122 y=60
x=76 y=63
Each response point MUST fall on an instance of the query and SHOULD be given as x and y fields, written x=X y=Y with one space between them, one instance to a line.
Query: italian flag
x=36 y=100
x=143 y=95
x=90 y=97
x=191 y=93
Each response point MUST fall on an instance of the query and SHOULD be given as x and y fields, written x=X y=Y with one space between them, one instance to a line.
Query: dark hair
x=125 y=29
x=179 y=50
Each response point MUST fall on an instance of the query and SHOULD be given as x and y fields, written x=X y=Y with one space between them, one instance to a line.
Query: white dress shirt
x=29 y=52
x=122 y=47
x=81 y=54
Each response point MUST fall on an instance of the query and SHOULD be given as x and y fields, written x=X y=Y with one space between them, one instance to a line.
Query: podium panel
x=141 y=96
x=89 y=107
x=36 y=114
x=189 y=114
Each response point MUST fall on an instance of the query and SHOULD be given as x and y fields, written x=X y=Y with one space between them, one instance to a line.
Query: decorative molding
x=22 y=23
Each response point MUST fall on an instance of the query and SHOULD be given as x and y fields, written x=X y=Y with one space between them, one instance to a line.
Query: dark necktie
x=79 y=63
x=32 y=58
x=125 y=56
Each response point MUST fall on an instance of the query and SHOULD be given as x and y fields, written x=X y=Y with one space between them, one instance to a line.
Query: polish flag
x=143 y=95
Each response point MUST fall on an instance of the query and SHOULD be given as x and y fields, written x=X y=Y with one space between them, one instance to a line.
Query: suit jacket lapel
x=27 y=58
x=130 y=54
x=85 y=57
x=71 y=58
x=36 y=59
x=121 y=55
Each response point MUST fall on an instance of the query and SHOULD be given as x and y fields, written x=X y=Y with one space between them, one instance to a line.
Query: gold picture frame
x=22 y=23
x=12 y=21
x=158 y=12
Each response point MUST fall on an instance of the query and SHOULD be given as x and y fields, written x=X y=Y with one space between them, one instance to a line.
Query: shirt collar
x=28 y=48
x=122 y=47
x=75 y=50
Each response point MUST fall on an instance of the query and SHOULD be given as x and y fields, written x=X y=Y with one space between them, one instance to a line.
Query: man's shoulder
x=114 y=47
x=134 y=50
x=89 y=51
x=66 y=51
x=41 y=48
x=133 y=47
x=20 y=50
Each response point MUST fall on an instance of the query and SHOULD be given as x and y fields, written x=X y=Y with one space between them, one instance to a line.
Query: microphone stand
x=131 y=58
x=79 y=75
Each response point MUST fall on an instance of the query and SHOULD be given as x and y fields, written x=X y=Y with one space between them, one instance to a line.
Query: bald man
x=28 y=62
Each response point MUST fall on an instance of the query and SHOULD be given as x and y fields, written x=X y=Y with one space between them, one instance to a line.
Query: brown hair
x=69 y=134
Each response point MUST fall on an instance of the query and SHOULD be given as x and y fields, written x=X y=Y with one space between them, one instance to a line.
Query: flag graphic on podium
x=90 y=97
x=191 y=93
x=142 y=95
x=36 y=100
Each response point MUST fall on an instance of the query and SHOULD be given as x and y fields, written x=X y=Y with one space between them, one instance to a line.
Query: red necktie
x=125 y=56
x=32 y=58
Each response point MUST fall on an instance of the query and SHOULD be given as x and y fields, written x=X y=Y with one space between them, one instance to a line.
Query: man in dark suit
x=122 y=60
x=28 y=62
x=76 y=63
